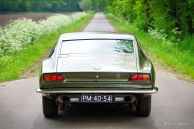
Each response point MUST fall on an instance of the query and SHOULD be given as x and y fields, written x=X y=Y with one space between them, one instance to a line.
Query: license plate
x=96 y=98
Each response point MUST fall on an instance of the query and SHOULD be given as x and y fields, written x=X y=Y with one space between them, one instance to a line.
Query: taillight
x=140 y=77
x=52 y=77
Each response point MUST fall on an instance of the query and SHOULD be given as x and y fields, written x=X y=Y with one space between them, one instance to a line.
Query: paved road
x=99 y=23
x=172 y=107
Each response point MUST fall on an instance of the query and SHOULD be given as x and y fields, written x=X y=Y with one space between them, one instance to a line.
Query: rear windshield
x=97 y=46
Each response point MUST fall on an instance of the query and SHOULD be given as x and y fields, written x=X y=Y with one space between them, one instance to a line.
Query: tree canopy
x=145 y=14
x=39 y=5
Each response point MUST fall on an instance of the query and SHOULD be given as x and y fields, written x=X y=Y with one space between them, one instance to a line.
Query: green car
x=88 y=67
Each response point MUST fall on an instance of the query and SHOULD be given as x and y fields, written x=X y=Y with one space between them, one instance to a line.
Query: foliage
x=164 y=15
x=161 y=35
x=39 y=5
x=98 y=5
x=85 y=4
x=72 y=5
x=18 y=34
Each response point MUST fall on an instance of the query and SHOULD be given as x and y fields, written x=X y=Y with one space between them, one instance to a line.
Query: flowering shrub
x=161 y=35
x=157 y=34
x=77 y=16
x=18 y=34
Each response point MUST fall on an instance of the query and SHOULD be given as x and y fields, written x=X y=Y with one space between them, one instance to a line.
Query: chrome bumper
x=73 y=91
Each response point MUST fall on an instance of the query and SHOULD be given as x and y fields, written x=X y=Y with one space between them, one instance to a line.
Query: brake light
x=52 y=77
x=140 y=77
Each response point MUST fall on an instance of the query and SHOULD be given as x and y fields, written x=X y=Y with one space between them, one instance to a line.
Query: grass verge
x=159 y=51
x=13 y=66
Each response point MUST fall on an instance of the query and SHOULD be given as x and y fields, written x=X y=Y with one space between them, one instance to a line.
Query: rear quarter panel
x=144 y=64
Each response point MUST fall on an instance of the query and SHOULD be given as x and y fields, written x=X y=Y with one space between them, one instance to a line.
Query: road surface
x=172 y=107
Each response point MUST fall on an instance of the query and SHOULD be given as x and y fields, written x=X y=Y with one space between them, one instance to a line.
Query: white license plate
x=96 y=98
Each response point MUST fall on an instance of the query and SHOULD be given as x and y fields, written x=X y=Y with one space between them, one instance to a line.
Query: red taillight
x=140 y=77
x=52 y=77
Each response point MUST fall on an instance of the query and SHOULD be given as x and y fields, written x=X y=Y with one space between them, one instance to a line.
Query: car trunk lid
x=101 y=67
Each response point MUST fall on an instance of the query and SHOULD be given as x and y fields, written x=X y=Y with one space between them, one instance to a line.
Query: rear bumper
x=108 y=91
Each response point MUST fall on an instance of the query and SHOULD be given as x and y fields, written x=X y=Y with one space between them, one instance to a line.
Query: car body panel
x=94 y=35
x=97 y=71
x=99 y=62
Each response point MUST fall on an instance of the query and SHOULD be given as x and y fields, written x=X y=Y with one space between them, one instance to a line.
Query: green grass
x=178 y=58
x=13 y=66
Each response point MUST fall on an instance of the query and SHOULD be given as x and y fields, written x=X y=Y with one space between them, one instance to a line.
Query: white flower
x=16 y=35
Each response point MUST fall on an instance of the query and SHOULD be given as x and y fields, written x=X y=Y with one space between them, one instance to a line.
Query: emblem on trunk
x=96 y=68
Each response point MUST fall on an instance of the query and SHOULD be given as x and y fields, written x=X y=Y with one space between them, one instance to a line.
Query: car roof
x=95 y=35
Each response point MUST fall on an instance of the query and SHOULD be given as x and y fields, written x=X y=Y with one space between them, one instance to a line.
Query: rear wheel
x=49 y=107
x=144 y=106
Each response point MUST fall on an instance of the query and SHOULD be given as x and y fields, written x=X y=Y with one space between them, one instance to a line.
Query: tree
x=98 y=5
x=85 y=4
x=58 y=5
x=144 y=14
x=39 y=5
x=24 y=5
x=72 y=5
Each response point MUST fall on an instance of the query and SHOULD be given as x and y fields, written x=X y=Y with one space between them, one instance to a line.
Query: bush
x=18 y=34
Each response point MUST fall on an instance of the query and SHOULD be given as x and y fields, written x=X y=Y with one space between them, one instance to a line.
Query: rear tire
x=144 y=106
x=49 y=107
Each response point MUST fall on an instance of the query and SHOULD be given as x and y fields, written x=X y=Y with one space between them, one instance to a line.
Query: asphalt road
x=172 y=107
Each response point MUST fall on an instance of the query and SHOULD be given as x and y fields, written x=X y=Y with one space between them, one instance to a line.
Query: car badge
x=96 y=68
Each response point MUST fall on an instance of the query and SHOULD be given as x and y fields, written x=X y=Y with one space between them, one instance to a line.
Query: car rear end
x=93 y=75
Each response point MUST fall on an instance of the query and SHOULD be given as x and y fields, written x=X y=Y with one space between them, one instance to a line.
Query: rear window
x=97 y=46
